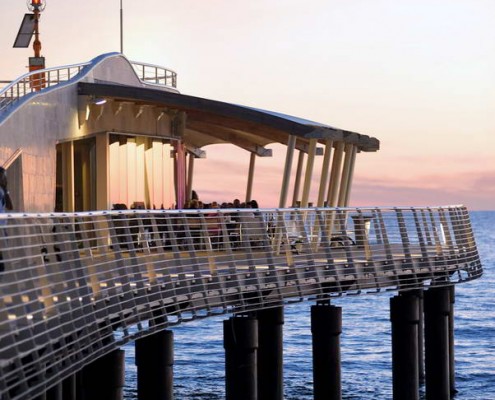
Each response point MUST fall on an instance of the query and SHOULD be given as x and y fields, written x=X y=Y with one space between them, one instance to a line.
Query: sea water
x=365 y=343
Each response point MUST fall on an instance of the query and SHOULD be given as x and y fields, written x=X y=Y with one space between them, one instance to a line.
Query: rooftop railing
x=155 y=75
x=36 y=81
x=71 y=285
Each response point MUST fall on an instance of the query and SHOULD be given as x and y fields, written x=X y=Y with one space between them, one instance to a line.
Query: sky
x=419 y=75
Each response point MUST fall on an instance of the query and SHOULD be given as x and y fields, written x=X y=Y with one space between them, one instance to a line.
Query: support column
x=249 y=189
x=453 y=390
x=240 y=340
x=103 y=379
x=55 y=393
x=326 y=327
x=421 y=337
x=69 y=388
x=102 y=164
x=297 y=182
x=350 y=176
x=68 y=176
x=324 y=173
x=155 y=361
x=270 y=353
x=404 y=315
x=333 y=186
x=190 y=176
x=287 y=170
x=436 y=309
x=309 y=172
x=344 y=180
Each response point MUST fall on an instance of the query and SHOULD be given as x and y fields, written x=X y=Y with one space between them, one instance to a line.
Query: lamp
x=99 y=101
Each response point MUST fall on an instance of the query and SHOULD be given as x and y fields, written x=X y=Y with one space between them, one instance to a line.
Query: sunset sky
x=417 y=74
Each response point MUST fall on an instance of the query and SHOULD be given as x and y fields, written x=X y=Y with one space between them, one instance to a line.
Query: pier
x=78 y=284
x=72 y=284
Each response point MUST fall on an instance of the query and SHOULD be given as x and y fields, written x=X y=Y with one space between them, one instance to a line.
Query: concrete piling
x=155 y=361
x=404 y=316
x=326 y=327
x=437 y=364
x=270 y=353
x=103 y=379
x=241 y=344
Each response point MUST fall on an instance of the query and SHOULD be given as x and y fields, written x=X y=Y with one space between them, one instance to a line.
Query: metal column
x=350 y=176
x=346 y=171
x=249 y=189
x=326 y=327
x=324 y=173
x=287 y=170
x=333 y=185
x=240 y=339
x=436 y=309
x=309 y=172
x=155 y=361
x=190 y=176
x=270 y=353
x=404 y=316
x=297 y=181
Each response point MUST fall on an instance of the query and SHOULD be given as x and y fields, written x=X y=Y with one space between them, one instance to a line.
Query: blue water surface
x=365 y=343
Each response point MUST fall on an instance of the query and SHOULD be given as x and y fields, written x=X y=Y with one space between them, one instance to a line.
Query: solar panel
x=25 y=31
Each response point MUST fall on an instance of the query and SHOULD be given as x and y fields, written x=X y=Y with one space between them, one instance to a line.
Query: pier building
x=76 y=276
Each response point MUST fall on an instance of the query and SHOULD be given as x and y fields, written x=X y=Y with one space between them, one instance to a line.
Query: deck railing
x=36 y=81
x=155 y=74
x=71 y=285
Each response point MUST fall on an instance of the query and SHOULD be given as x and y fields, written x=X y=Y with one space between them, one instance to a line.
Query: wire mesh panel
x=71 y=285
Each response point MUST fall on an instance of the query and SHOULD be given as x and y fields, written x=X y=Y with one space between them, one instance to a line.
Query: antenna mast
x=121 y=28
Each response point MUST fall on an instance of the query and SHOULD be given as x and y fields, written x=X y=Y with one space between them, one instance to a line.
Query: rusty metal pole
x=36 y=43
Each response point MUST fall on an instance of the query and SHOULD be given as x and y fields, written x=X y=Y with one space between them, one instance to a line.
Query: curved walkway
x=72 y=284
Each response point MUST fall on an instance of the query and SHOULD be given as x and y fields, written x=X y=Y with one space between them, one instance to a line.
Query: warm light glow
x=38 y=5
x=99 y=101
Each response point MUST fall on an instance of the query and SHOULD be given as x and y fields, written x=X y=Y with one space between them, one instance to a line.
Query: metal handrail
x=36 y=81
x=39 y=80
x=155 y=74
x=71 y=284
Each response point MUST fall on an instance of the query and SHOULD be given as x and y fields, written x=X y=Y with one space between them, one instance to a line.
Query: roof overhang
x=212 y=122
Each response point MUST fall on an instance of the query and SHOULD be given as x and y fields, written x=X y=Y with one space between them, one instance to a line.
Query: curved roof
x=212 y=122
